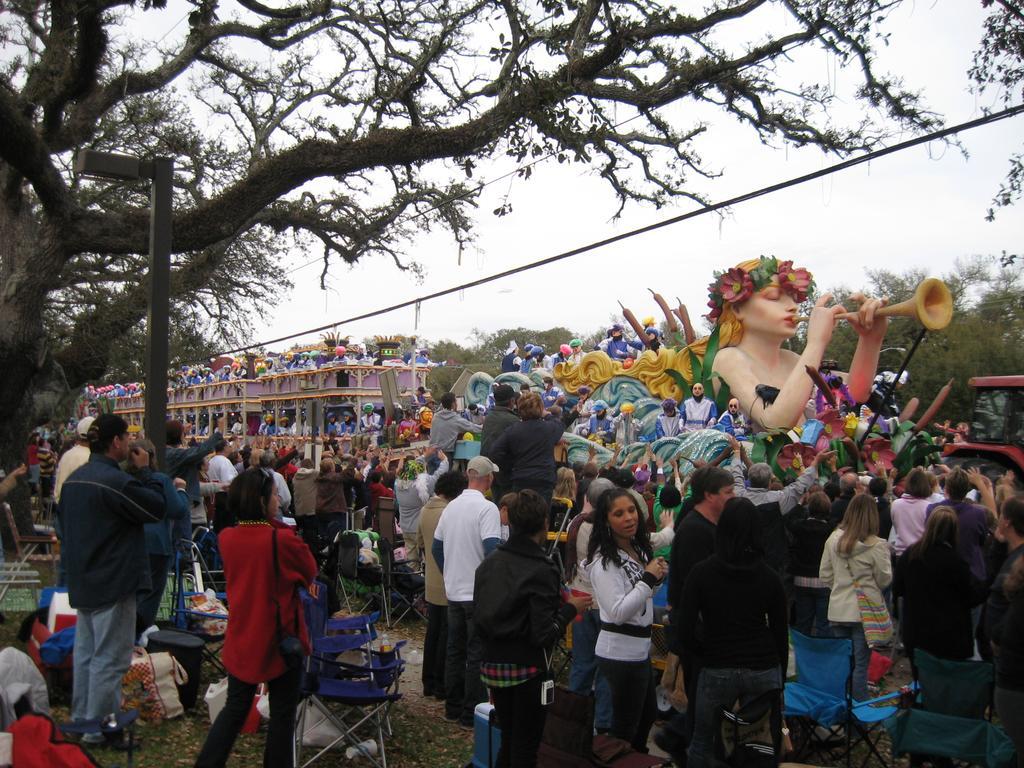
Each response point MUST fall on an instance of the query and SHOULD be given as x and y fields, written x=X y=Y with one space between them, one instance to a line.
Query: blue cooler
x=467 y=449
x=486 y=737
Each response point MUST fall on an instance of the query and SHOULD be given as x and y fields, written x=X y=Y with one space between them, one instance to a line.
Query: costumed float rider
x=369 y=423
x=882 y=403
x=576 y=352
x=699 y=411
x=732 y=422
x=551 y=394
x=267 y=427
x=616 y=347
x=526 y=361
x=669 y=423
x=510 y=360
x=601 y=426
x=653 y=333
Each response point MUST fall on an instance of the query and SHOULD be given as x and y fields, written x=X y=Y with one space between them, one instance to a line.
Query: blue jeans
x=861 y=656
x=812 y=611
x=584 y=675
x=103 y=653
x=463 y=687
x=718 y=688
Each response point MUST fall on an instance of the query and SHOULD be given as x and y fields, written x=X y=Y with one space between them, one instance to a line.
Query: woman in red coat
x=255 y=593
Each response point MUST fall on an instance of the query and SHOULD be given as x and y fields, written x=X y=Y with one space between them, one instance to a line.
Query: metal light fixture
x=160 y=171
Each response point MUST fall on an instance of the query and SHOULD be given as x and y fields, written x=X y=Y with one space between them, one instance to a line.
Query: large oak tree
x=352 y=127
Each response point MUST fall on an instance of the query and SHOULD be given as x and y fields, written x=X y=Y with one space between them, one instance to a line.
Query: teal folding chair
x=953 y=715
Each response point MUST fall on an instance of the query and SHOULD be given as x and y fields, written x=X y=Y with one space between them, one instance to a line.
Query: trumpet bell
x=931 y=304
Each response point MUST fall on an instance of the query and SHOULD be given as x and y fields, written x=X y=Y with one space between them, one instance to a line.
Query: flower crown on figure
x=736 y=285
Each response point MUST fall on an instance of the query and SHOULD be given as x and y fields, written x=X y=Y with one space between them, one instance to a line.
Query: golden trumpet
x=931 y=304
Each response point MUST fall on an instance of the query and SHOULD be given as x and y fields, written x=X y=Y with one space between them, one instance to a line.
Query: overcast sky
x=922 y=207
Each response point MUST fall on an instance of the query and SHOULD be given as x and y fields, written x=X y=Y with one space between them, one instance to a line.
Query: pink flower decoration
x=795 y=457
x=833 y=430
x=736 y=286
x=715 y=313
x=878 y=455
x=795 y=282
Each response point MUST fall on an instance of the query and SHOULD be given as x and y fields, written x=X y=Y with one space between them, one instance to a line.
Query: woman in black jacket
x=938 y=591
x=525 y=451
x=810 y=593
x=733 y=617
x=519 y=617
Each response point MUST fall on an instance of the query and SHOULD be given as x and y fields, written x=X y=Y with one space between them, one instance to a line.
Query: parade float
x=342 y=378
x=796 y=408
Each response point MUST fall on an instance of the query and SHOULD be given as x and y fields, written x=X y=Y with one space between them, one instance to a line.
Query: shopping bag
x=149 y=685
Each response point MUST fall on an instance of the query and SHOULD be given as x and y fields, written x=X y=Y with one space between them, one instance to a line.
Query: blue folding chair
x=365 y=683
x=821 y=696
x=188 y=582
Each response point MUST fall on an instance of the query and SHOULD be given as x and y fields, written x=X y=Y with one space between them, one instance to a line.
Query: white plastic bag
x=318 y=731
x=216 y=697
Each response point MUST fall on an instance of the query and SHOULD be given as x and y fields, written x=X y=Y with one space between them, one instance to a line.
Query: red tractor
x=995 y=442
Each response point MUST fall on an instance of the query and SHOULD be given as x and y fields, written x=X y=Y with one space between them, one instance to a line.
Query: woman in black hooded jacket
x=733 y=617
x=519 y=616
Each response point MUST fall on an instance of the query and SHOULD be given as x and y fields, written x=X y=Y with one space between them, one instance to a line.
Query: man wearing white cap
x=75 y=457
x=468 y=531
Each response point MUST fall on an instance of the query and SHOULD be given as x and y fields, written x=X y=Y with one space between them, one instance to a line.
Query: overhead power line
x=777 y=187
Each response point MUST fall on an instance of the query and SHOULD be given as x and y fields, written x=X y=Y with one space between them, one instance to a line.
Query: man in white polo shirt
x=468 y=531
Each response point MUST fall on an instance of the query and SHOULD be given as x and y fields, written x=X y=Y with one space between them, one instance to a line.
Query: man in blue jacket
x=102 y=511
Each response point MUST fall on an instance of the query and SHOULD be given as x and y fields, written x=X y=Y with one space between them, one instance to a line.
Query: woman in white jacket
x=624 y=575
x=855 y=553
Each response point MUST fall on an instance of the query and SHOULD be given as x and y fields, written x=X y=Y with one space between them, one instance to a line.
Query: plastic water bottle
x=385 y=643
x=366 y=748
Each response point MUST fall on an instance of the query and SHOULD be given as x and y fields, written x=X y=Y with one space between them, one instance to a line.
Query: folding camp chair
x=821 y=696
x=29 y=546
x=17 y=574
x=345 y=670
x=403 y=589
x=189 y=581
x=207 y=555
x=953 y=714
x=361 y=585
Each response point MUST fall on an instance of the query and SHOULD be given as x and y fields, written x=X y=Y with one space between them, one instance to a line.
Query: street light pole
x=160 y=171
x=158 y=322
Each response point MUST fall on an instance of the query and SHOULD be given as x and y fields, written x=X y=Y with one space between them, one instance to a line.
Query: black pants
x=463 y=687
x=634 y=704
x=309 y=530
x=278 y=750
x=435 y=648
x=521 y=717
x=148 y=601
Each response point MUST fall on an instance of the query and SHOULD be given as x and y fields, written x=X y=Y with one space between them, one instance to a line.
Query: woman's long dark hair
x=602 y=540
x=738 y=534
x=249 y=495
x=942 y=529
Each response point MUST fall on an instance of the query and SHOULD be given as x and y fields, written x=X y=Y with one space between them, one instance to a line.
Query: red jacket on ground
x=250 y=648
